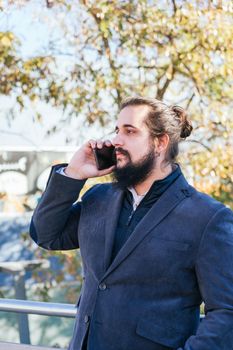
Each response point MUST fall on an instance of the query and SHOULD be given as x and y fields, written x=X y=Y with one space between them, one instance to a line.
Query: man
x=153 y=248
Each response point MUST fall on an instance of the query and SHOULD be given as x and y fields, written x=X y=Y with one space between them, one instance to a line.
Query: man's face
x=135 y=149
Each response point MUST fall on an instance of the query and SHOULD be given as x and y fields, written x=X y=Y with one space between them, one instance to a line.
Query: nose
x=117 y=140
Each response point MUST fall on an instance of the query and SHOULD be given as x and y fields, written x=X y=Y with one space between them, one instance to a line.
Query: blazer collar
x=177 y=192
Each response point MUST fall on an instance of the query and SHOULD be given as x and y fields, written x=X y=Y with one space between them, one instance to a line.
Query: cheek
x=138 y=150
x=136 y=155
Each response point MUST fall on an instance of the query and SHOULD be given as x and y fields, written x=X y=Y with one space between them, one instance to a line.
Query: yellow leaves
x=36 y=63
x=104 y=27
x=100 y=82
x=7 y=45
x=27 y=67
x=20 y=101
x=213 y=171
x=18 y=76
x=5 y=41
x=33 y=97
x=8 y=36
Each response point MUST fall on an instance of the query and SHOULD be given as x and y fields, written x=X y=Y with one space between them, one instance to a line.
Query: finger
x=108 y=143
x=99 y=144
x=92 y=143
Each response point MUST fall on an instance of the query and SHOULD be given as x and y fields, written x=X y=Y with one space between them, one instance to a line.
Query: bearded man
x=153 y=247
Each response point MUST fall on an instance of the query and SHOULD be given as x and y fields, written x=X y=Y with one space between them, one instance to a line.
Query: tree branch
x=200 y=143
x=161 y=91
x=189 y=101
x=109 y=56
x=174 y=6
x=190 y=76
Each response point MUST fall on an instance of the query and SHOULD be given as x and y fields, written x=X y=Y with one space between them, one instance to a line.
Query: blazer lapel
x=112 y=214
x=166 y=203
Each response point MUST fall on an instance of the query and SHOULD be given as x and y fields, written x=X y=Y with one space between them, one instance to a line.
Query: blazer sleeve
x=214 y=269
x=54 y=224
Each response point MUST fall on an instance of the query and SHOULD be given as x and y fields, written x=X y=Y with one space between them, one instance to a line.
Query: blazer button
x=102 y=286
x=86 y=319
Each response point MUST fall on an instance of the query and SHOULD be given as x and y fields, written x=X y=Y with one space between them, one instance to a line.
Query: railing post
x=19 y=269
x=20 y=293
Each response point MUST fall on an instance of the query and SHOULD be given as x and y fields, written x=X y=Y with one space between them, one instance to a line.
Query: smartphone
x=105 y=157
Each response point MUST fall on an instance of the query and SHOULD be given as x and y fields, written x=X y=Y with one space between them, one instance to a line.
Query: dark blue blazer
x=148 y=298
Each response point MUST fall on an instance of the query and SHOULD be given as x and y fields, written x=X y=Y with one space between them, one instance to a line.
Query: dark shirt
x=128 y=218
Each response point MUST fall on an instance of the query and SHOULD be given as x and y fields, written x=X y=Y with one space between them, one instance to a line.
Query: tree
x=180 y=52
x=22 y=78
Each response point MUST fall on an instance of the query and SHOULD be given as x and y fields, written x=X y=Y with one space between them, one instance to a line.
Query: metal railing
x=18 y=270
x=14 y=346
x=36 y=308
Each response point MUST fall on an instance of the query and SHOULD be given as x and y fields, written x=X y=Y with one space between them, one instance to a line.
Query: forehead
x=133 y=115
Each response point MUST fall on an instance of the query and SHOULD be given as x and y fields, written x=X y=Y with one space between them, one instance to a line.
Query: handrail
x=14 y=346
x=38 y=307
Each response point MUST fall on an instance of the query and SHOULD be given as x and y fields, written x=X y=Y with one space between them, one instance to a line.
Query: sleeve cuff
x=61 y=171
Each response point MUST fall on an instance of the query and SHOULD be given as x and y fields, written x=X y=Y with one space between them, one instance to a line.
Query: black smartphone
x=105 y=157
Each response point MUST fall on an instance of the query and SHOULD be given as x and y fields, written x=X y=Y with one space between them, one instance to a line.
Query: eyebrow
x=126 y=126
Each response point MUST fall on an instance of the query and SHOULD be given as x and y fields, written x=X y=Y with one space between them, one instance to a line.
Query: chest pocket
x=164 y=258
x=170 y=244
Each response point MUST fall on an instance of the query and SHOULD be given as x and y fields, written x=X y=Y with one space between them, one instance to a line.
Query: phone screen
x=105 y=157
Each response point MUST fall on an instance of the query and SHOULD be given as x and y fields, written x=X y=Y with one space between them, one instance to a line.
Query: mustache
x=122 y=151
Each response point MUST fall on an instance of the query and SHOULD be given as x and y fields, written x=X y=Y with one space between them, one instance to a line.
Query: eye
x=129 y=131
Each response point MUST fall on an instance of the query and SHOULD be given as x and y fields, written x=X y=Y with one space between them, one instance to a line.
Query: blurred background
x=65 y=66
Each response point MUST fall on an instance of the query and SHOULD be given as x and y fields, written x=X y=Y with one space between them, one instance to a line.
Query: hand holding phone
x=90 y=161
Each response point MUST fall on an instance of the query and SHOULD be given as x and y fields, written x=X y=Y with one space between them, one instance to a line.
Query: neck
x=158 y=173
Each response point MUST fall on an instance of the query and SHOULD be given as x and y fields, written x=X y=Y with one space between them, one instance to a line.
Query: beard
x=133 y=174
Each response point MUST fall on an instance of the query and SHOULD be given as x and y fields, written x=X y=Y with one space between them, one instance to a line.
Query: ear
x=161 y=143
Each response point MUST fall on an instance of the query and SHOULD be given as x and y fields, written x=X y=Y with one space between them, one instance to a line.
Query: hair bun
x=186 y=126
